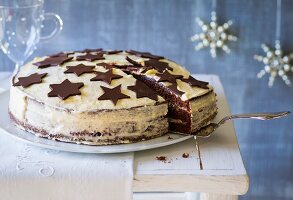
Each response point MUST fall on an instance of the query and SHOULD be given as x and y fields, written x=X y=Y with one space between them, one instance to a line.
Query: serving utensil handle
x=259 y=116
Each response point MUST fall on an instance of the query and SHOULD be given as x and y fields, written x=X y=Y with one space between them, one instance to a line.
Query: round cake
x=99 y=97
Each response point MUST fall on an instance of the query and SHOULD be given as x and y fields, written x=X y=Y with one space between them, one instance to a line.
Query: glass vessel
x=21 y=22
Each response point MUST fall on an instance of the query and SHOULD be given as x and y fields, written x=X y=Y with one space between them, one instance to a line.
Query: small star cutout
x=142 y=90
x=113 y=94
x=151 y=64
x=166 y=76
x=30 y=80
x=52 y=61
x=158 y=65
x=90 y=57
x=174 y=89
x=194 y=82
x=144 y=54
x=65 y=89
x=79 y=69
x=107 y=76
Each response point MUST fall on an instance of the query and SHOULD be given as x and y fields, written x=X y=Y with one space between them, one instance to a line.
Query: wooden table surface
x=223 y=169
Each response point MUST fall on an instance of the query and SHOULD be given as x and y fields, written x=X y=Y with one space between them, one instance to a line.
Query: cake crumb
x=170 y=138
x=162 y=158
x=185 y=155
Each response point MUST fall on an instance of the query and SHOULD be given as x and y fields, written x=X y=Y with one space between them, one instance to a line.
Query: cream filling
x=106 y=140
x=201 y=110
x=204 y=101
x=158 y=127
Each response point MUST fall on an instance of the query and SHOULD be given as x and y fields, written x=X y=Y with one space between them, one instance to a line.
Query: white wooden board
x=223 y=170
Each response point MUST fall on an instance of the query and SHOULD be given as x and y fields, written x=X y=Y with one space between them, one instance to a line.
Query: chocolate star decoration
x=114 y=52
x=129 y=69
x=136 y=64
x=106 y=65
x=52 y=61
x=30 y=80
x=60 y=54
x=174 y=89
x=65 y=89
x=111 y=66
x=142 y=90
x=79 y=69
x=166 y=76
x=194 y=82
x=91 y=57
x=91 y=50
x=144 y=54
x=107 y=76
x=113 y=94
x=158 y=65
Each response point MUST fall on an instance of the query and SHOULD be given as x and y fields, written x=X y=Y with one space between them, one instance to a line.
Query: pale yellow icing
x=91 y=91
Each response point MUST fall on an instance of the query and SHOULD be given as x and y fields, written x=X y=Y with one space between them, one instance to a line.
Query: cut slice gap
x=177 y=108
x=180 y=112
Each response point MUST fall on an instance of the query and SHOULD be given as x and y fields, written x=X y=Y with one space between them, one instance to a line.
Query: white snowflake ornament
x=276 y=63
x=213 y=35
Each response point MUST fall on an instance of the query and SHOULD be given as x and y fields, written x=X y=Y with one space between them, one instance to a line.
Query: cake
x=99 y=97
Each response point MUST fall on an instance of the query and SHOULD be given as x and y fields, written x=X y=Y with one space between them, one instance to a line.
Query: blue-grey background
x=164 y=27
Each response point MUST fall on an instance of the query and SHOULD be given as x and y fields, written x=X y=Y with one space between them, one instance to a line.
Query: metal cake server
x=206 y=131
x=209 y=129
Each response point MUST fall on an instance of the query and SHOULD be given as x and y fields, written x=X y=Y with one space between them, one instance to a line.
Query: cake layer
x=158 y=128
x=97 y=127
x=203 y=110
